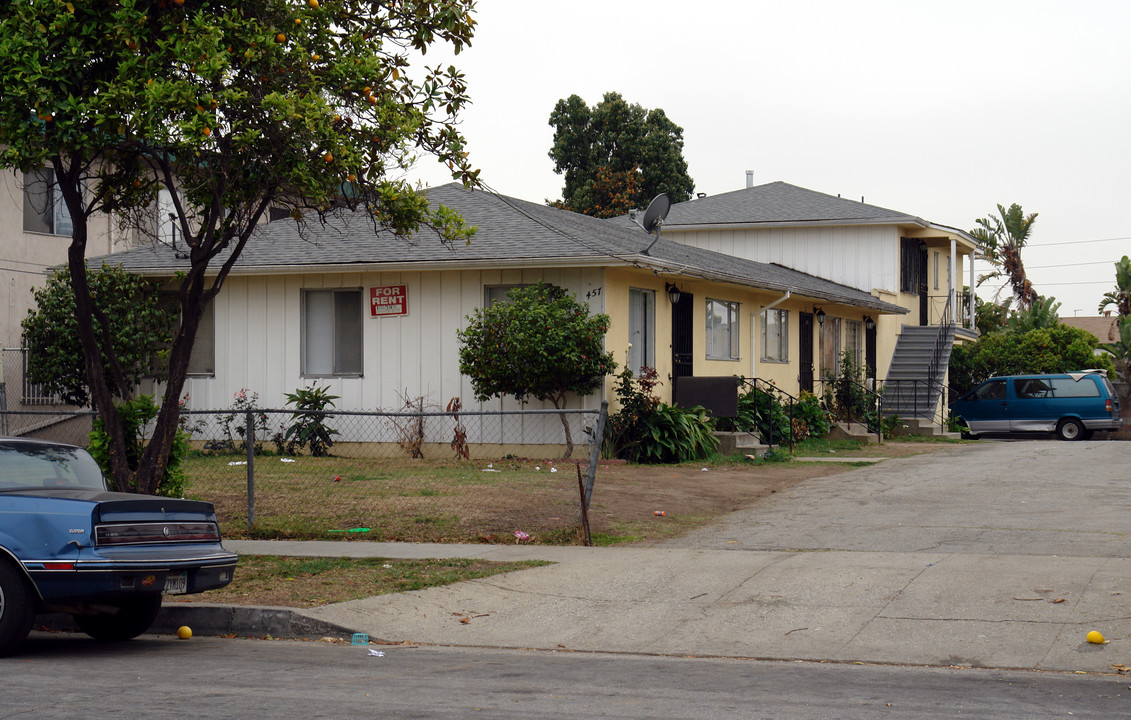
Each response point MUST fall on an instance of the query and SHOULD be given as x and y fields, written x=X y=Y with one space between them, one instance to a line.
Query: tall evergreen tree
x=616 y=156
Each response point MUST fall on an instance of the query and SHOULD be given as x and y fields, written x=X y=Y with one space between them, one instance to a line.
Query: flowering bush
x=244 y=400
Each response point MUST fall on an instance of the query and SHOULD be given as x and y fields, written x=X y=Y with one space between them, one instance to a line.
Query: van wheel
x=1070 y=429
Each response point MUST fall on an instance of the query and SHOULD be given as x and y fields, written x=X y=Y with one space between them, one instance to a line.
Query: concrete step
x=921 y=426
x=852 y=431
x=746 y=443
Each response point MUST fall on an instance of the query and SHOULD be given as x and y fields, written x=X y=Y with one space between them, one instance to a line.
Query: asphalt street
x=68 y=676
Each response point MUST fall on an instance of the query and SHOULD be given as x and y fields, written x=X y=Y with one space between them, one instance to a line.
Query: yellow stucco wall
x=752 y=301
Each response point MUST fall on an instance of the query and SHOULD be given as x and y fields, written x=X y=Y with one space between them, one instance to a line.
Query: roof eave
x=793 y=223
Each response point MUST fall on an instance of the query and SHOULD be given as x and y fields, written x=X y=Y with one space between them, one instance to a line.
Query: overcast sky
x=940 y=110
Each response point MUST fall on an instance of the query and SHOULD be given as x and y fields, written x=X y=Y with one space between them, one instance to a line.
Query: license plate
x=176 y=583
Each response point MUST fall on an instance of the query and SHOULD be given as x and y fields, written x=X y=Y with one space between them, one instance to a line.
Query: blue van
x=1073 y=405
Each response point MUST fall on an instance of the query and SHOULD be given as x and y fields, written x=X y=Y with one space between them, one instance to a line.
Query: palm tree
x=1120 y=297
x=1001 y=239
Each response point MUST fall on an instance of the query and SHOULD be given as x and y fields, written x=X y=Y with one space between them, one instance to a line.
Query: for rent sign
x=388 y=300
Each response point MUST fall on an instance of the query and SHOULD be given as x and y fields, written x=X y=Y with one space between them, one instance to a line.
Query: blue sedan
x=69 y=545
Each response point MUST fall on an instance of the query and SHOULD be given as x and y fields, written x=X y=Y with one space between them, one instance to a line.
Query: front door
x=805 y=361
x=924 y=302
x=870 y=350
x=683 y=364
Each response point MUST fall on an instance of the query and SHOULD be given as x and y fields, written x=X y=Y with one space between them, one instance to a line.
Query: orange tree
x=541 y=343
x=238 y=106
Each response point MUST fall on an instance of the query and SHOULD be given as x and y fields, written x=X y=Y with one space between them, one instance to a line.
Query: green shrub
x=808 y=410
x=845 y=395
x=308 y=425
x=646 y=430
x=675 y=434
x=136 y=414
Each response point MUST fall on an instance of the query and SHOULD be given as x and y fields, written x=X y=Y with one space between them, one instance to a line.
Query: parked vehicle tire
x=132 y=618
x=17 y=607
x=1070 y=429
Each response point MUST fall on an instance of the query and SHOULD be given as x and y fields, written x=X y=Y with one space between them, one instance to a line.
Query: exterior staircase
x=917 y=374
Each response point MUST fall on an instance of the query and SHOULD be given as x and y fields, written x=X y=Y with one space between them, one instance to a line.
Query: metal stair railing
x=766 y=418
x=861 y=413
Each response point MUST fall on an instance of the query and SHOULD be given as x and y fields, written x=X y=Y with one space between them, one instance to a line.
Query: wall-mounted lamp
x=869 y=323
x=820 y=316
x=673 y=293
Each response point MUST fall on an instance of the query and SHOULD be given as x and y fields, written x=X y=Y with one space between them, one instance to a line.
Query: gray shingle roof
x=777 y=203
x=511 y=233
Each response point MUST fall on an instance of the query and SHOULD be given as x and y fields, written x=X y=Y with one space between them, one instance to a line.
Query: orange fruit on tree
x=280 y=38
x=372 y=100
x=207 y=132
x=351 y=177
x=313 y=3
x=328 y=157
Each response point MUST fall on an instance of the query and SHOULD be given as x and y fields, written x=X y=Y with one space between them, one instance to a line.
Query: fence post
x=595 y=450
x=249 y=445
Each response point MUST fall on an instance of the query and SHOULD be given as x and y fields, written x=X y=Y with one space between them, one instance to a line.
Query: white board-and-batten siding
x=862 y=257
x=259 y=330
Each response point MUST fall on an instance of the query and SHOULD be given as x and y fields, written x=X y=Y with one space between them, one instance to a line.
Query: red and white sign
x=388 y=300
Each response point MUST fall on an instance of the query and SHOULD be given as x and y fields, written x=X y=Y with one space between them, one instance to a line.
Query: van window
x=1027 y=388
x=1067 y=387
x=991 y=390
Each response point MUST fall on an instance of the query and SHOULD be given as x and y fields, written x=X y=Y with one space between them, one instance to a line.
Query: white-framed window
x=168 y=226
x=830 y=345
x=853 y=334
x=775 y=335
x=202 y=359
x=331 y=332
x=722 y=330
x=641 y=329
x=498 y=293
x=44 y=209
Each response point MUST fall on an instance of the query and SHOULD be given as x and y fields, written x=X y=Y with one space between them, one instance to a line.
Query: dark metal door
x=683 y=363
x=870 y=351
x=924 y=302
x=805 y=361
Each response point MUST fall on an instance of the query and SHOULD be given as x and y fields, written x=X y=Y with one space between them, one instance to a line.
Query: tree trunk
x=101 y=395
x=155 y=458
x=565 y=425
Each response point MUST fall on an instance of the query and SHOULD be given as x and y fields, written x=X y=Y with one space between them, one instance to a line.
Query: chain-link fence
x=410 y=476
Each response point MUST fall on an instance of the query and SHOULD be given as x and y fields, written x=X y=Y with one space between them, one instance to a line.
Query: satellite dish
x=654 y=217
x=657 y=212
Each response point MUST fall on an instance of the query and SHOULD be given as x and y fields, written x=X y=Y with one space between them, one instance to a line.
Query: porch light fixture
x=673 y=293
x=869 y=323
x=820 y=316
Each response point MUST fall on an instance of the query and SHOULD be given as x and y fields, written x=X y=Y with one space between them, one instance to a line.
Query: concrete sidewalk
x=880 y=607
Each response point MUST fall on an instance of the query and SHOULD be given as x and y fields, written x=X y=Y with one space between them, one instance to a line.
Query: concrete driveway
x=1043 y=497
x=997 y=554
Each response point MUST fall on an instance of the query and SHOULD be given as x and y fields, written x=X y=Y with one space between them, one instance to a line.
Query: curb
x=216 y=620
x=244 y=620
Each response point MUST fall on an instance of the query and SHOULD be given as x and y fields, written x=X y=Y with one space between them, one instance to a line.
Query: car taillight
x=152 y=533
x=1107 y=404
